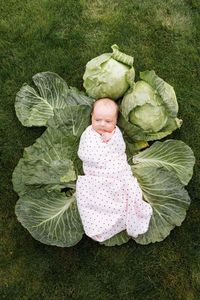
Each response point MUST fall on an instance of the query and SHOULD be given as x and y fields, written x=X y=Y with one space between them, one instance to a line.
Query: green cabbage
x=109 y=75
x=150 y=108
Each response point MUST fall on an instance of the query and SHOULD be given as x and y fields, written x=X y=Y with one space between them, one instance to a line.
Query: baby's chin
x=103 y=131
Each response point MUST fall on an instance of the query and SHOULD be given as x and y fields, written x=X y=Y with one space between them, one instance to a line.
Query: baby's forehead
x=105 y=104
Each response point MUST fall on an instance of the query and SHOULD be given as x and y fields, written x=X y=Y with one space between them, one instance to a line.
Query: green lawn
x=61 y=36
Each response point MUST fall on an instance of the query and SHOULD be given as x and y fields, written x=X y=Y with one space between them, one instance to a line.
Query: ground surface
x=61 y=36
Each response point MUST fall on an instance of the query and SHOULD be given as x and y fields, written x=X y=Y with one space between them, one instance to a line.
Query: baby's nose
x=102 y=122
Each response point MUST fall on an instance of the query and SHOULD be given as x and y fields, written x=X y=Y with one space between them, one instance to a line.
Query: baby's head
x=104 y=115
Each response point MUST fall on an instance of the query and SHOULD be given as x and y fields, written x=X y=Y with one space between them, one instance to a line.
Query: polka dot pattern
x=109 y=198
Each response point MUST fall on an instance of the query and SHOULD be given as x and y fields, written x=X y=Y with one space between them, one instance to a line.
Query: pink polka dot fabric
x=108 y=196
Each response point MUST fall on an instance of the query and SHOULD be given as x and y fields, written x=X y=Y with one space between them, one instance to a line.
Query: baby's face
x=104 y=118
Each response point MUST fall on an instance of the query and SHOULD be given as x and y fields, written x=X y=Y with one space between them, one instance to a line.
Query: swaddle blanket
x=109 y=198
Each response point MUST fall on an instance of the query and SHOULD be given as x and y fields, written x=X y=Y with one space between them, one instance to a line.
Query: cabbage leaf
x=169 y=201
x=118 y=239
x=172 y=155
x=47 y=167
x=33 y=108
x=50 y=217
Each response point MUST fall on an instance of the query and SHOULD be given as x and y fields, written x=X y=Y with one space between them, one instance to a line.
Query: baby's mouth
x=102 y=130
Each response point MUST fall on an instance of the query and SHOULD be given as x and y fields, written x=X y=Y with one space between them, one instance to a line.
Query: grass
x=61 y=36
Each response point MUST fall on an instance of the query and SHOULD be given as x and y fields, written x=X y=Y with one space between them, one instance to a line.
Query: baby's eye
x=97 y=120
x=108 y=121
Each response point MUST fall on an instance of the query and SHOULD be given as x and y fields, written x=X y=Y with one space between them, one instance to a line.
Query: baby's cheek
x=112 y=127
x=94 y=126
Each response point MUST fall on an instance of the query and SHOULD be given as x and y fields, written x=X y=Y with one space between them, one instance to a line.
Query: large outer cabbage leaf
x=47 y=167
x=162 y=171
x=149 y=109
x=50 y=217
x=172 y=155
x=169 y=201
x=33 y=108
x=52 y=159
x=49 y=161
x=109 y=75
x=118 y=239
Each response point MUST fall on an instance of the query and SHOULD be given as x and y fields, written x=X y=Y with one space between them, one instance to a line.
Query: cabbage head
x=109 y=75
x=149 y=109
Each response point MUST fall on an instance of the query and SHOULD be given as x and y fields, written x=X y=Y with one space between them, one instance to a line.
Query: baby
x=109 y=198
